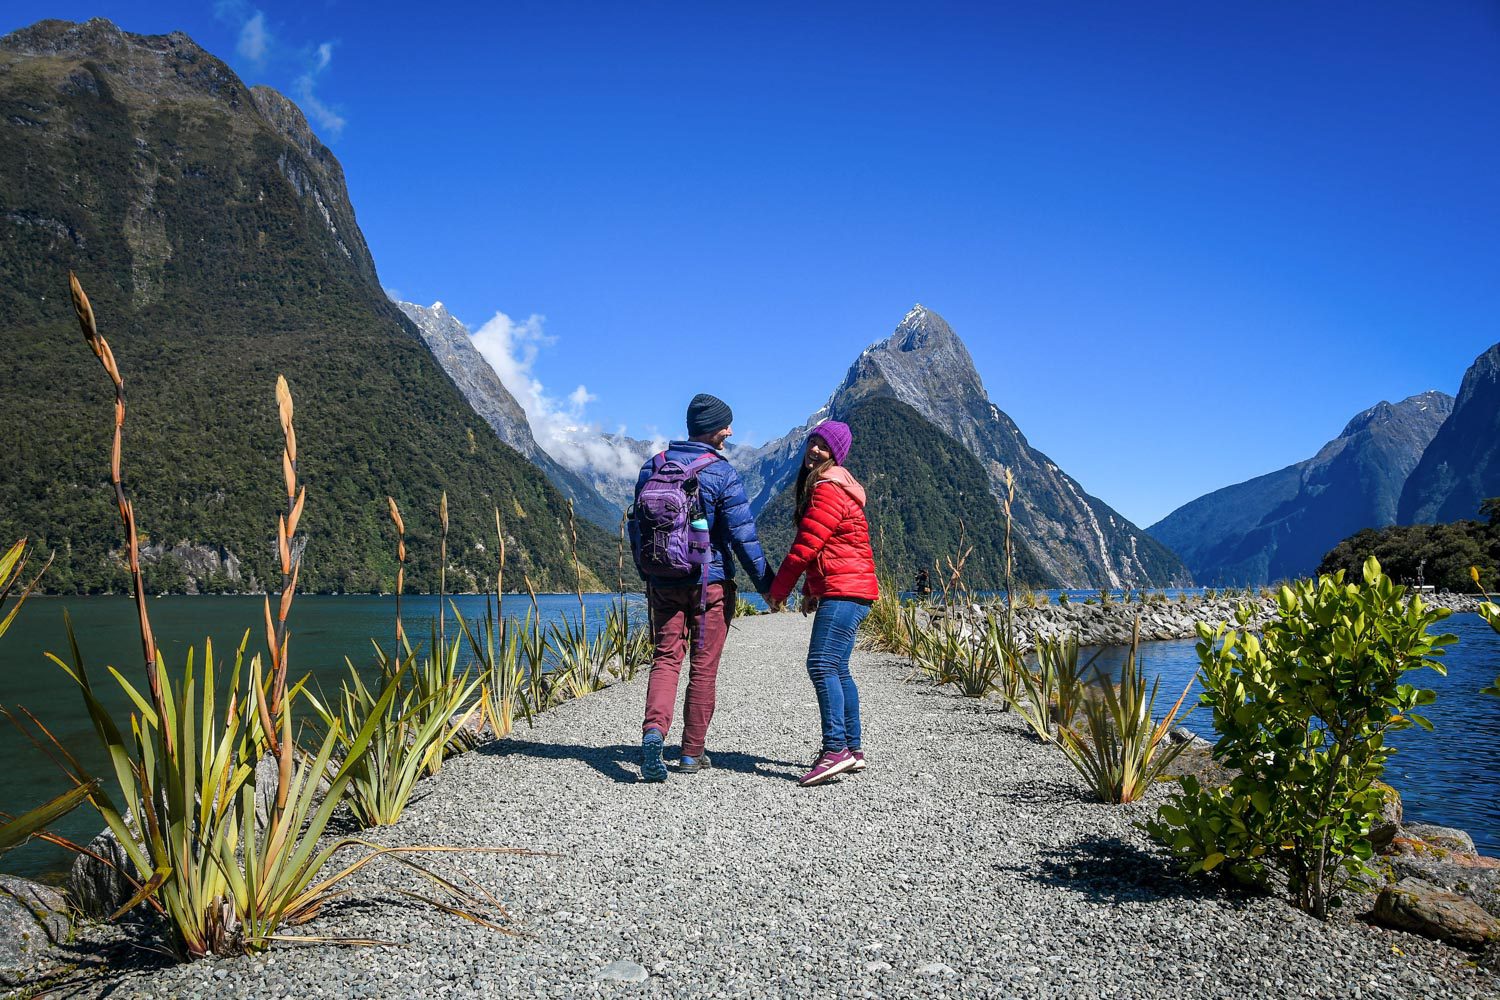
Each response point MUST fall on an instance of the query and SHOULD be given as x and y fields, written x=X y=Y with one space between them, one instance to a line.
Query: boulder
x=1473 y=876
x=1446 y=837
x=33 y=917
x=1423 y=908
x=96 y=889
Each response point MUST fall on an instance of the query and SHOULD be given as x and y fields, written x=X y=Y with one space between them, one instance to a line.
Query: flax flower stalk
x=442 y=570
x=291 y=566
x=400 y=573
x=101 y=350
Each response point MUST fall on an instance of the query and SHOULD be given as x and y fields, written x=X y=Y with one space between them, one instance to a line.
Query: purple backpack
x=664 y=539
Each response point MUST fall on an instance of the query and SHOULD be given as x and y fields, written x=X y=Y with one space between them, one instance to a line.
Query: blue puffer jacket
x=730 y=523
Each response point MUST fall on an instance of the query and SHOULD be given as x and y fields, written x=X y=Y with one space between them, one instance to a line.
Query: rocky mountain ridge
x=1460 y=468
x=1077 y=539
x=1279 y=526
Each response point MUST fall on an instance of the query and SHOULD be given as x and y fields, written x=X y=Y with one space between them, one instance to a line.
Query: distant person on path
x=833 y=547
x=923 y=584
x=689 y=518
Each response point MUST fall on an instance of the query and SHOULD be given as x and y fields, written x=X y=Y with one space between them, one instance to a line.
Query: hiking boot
x=692 y=765
x=830 y=763
x=859 y=761
x=653 y=768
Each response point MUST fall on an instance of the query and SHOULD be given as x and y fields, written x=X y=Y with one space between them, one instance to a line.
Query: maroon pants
x=676 y=622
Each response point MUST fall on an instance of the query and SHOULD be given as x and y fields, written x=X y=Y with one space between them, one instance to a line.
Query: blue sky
x=1184 y=242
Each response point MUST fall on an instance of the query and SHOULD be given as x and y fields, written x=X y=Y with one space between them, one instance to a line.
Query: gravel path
x=966 y=861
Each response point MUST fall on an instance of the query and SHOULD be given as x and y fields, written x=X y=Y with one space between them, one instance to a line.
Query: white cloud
x=260 y=46
x=329 y=120
x=255 y=40
x=560 y=426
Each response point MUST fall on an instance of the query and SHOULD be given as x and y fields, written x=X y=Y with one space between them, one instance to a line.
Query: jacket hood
x=840 y=476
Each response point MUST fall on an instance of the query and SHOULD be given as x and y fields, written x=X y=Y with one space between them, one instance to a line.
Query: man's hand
x=775 y=606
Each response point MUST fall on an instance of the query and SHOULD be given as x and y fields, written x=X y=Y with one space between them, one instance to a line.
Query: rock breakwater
x=1112 y=624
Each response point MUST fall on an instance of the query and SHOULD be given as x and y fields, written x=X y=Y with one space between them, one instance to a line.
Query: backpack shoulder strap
x=702 y=462
x=657 y=461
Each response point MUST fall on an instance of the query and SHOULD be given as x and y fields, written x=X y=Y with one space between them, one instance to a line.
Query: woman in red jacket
x=833 y=547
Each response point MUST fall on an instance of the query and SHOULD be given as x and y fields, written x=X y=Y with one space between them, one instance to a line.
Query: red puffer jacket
x=832 y=544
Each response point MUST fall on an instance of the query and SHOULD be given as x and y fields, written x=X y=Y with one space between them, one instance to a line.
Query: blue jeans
x=834 y=629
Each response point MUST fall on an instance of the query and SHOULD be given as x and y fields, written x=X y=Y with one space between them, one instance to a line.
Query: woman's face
x=817 y=452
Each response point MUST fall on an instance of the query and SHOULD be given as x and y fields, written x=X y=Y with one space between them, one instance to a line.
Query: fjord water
x=324 y=631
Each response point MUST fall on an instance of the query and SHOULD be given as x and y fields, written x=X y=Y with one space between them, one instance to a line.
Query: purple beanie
x=838 y=437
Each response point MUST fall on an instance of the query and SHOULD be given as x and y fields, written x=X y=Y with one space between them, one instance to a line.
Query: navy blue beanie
x=706 y=414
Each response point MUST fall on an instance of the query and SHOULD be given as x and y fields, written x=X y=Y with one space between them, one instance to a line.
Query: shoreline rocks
x=34 y=918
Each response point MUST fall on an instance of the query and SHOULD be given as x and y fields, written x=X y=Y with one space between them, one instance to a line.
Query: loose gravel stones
x=966 y=846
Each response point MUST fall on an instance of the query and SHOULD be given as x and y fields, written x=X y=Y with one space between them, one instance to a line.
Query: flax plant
x=402 y=737
x=883 y=628
x=534 y=651
x=183 y=808
x=1051 y=695
x=497 y=650
x=101 y=349
x=449 y=695
x=442 y=568
x=16 y=831
x=1122 y=749
x=291 y=565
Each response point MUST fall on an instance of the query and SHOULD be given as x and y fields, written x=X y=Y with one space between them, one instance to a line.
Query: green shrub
x=1302 y=714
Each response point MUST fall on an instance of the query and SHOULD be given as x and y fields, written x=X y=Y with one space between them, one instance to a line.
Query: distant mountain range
x=1429 y=459
x=214 y=233
x=1279 y=526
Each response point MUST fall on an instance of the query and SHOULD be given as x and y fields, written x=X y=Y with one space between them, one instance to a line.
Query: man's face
x=717 y=438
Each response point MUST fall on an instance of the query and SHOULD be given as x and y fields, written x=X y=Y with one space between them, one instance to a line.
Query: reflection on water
x=1450 y=776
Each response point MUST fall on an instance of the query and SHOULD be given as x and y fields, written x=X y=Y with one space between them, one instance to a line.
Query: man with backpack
x=690 y=519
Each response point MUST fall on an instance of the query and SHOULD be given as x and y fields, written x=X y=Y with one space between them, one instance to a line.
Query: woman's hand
x=775 y=606
x=809 y=605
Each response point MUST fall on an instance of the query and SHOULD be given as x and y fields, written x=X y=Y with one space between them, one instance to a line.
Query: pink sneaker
x=831 y=762
x=859 y=761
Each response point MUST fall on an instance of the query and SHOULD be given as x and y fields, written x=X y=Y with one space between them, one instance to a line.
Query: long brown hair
x=806 y=480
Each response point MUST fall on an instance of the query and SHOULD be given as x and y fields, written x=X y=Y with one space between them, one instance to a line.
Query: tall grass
x=1121 y=748
x=12 y=569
